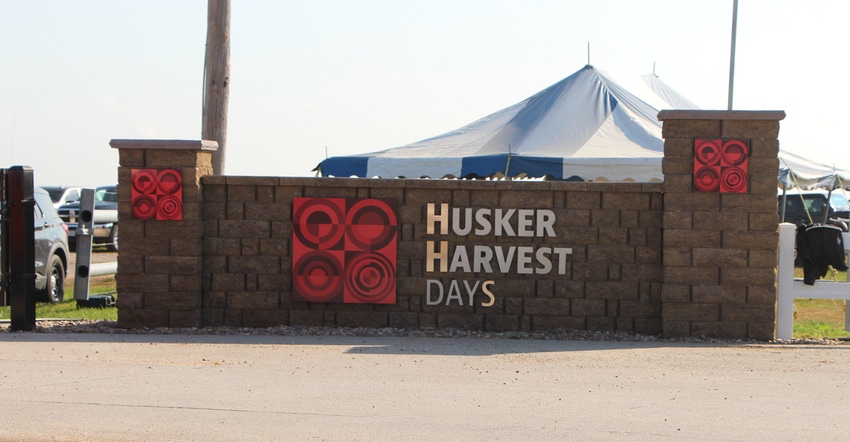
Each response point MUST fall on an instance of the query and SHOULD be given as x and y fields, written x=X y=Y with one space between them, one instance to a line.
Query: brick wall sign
x=720 y=165
x=157 y=194
x=344 y=250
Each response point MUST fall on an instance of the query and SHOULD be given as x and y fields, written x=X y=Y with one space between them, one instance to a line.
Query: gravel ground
x=110 y=327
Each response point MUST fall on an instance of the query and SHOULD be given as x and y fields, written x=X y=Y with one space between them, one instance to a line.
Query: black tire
x=54 y=290
x=112 y=245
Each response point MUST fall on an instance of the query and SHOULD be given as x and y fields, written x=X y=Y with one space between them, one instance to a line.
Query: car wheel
x=55 y=289
x=112 y=246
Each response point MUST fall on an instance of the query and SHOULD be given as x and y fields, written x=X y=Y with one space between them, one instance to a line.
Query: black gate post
x=20 y=244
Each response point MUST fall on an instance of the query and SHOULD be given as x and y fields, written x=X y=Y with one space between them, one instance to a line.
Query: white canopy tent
x=592 y=126
x=798 y=172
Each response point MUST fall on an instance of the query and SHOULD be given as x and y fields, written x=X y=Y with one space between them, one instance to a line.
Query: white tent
x=796 y=171
x=592 y=125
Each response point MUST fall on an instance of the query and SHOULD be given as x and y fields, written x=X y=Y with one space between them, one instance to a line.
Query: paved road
x=211 y=388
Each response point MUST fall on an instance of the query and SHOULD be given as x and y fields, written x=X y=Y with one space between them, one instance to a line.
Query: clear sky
x=350 y=77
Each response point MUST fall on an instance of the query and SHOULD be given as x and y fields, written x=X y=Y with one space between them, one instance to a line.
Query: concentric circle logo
x=369 y=277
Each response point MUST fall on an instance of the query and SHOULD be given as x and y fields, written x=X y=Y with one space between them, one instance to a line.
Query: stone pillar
x=160 y=261
x=719 y=249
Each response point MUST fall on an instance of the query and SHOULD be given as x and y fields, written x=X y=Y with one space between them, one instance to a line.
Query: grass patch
x=68 y=308
x=819 y=318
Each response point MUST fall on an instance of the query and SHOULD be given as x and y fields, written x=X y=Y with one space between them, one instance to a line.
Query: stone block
x=610 y=254
x=184 y=318
x=546 y=306
x=583 y=200
x=186 y=283
x=131 y=300
x=267 y=212
x=404 y=320
x=747 y=276
x=140 y=318
x=720 y=294
x=212 y=317
x=306 y=318
x=679 y=166
x=762 y=331
x=605 y=324
x=647 y=326
x=719 y=330
x=754 y=240
x=767 y=221
x=720 y=221
x=146 y=282
x=587 y=307
x=175 y=265
x=228 y=282
x=525 y=199
x=747 y=313
x=611 y=290
x=750 y=129
x=717 y=257
x=691 y=128
x=746 y=203
x=460 y=321
x=692 y=201
x=692 y=275
x=549 y=323
x=501 y=323
x=605 y=218
x=254 y=264
x=628 y=200
x=674 y=238
x=641 y=273
x=639 y=309
x=613 y=236
x=761 y=295
x=253 y=300
x=693 y=312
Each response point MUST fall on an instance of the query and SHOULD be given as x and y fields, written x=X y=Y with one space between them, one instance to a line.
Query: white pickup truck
x=104 y=218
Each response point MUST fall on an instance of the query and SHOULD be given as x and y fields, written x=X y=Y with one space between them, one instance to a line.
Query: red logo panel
x=344 y=250
x=157 y=194
x=720 y=165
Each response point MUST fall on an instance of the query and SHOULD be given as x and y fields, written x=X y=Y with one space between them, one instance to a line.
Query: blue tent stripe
x=536 y=167
x=484 y=165
x=345 y=166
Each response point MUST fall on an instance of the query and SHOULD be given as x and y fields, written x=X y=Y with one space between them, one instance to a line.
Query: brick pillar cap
x=696 y=114
x=165 y=144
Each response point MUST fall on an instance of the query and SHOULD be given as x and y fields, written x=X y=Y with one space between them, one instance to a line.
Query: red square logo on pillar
x=720 y=165
x=344 y=250
x=157 y=194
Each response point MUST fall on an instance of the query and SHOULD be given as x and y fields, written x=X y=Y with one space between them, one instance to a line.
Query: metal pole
x=20 y=240
x=732 y=56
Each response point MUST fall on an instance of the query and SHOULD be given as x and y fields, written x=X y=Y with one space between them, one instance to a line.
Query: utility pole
x=216 y=79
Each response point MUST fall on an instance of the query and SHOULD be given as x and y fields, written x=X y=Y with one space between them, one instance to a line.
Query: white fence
x=790 y=288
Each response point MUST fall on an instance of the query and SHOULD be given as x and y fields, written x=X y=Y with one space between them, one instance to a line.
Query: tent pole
x=732 y=56
x=784 y=199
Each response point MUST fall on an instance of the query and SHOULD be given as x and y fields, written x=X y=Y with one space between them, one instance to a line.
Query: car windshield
x=55 y=193
x=838 y=201
x=105 y=194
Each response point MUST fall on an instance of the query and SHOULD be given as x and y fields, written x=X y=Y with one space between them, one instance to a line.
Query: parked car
x=104 y=218
x=62 y=194
x=51 y=249
x=811 y=207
